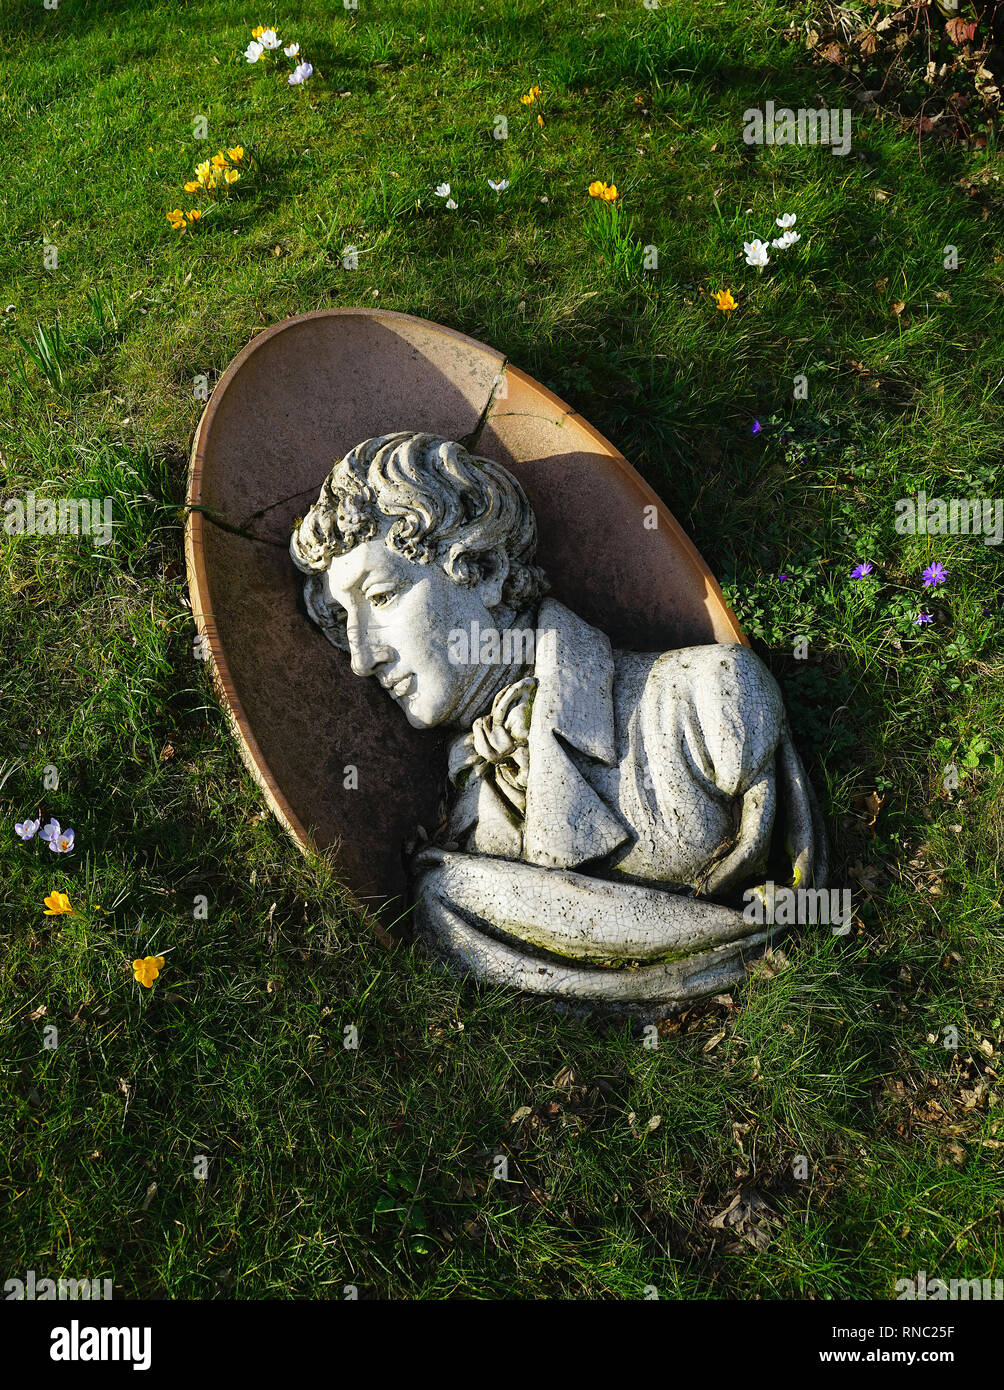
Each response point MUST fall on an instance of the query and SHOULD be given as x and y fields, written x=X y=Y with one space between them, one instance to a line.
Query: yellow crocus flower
x=56 y=904
x=147 y=969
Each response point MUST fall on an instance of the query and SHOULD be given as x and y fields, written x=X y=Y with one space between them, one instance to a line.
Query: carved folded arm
x=572 y=914
x=547 y=930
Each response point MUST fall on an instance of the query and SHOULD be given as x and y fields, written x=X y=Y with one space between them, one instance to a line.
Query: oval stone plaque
x=336 y=761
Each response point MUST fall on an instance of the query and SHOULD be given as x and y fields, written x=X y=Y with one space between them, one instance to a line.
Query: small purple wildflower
x=783 y=578
x=859 y=571
x=923 y=618
x=27 y=828
x=934 y=574
x=757 y=427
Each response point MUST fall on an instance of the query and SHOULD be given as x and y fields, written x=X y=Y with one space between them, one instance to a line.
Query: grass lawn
x=213 y=1137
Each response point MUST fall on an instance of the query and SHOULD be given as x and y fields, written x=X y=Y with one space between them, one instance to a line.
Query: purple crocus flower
x=60 y=841
x=27 y=828
x=934 y=574
x=859 y=571
x=923 y=618
x=300 y=74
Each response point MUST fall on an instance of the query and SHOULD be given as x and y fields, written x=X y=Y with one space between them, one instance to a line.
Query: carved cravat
x=496 y=746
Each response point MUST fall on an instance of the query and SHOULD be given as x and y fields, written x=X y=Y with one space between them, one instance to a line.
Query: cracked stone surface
x=294 y=401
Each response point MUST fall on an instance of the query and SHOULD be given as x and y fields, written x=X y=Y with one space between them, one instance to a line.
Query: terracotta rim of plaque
x=198 y=576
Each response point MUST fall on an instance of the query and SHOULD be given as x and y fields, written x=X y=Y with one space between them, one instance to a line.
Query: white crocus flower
x=451 y=204
x=253 y=51
x=291 y=50
x=756 y=253
x=499 y=187
x=786 y=220
x=442 y=191
x=270 y=39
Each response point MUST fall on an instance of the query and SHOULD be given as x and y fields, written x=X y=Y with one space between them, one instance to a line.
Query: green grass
x=374 y=1166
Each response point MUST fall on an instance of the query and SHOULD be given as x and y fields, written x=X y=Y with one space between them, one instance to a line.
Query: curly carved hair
x=444 y=505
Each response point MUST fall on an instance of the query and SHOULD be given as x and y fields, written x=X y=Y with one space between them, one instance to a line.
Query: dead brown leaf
x=749 y=1217
x=869 y=876
x=959 y=30
x=870 y=805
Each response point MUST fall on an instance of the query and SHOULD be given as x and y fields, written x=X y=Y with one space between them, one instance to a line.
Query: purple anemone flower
x=934 y=574
x=859 y=571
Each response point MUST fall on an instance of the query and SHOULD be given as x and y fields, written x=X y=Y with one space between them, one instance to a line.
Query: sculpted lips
x=400 y=685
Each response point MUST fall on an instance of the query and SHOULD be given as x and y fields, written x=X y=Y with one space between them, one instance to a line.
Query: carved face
x=399 y=615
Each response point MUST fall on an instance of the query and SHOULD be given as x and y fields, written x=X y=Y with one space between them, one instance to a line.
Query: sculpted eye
x=383 y=597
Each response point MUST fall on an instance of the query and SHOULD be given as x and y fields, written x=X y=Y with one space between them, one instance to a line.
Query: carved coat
x=638 y=774
x=650 y=766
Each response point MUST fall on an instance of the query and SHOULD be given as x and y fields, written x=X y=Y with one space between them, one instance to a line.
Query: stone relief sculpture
x=605 y=810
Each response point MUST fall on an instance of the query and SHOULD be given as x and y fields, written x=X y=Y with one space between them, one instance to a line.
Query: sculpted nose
x=365 y=655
